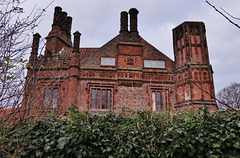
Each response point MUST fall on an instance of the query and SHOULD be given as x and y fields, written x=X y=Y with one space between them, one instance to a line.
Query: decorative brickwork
x=121 y=73
x=192 y=68
x=132 y=97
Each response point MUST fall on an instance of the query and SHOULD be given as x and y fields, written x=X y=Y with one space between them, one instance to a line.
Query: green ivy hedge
x=141 y=134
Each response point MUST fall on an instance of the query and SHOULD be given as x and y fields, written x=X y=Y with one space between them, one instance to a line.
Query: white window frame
x=154 y=64
x=106 y=61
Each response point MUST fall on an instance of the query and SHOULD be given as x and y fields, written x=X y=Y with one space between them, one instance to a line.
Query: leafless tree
x=226 y=15
x=16 y=29
x=229 y=95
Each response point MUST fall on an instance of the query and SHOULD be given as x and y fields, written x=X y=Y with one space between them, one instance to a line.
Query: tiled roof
x=85 y=52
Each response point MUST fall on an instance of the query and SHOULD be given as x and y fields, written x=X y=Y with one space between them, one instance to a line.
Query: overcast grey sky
x=99 y=22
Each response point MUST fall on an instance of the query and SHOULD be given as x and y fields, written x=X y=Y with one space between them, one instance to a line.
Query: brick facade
x=125 y=72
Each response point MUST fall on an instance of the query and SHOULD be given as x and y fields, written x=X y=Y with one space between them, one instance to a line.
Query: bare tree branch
x=223 y=14
x=230 y=14
x=16 y=29
x=218 y=99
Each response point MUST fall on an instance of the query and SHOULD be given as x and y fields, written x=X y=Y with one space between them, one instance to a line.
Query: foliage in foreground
x=142 y=134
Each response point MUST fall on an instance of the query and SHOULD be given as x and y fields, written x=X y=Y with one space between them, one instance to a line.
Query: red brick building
x=125 y=72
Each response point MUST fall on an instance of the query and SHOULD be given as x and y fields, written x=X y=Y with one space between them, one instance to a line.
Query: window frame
x=52 y=101
x=159 y=100
x=151 y=64
x=97 y=93
x=108 y=61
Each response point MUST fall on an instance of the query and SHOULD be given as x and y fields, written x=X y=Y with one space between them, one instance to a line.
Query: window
x=51 y=98
x=101 y=98
x=107 y=61
x=158 y=100
x=54 y=97
x=154 y=63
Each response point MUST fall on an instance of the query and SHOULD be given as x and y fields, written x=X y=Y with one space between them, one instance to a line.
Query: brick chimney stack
x=124 y=22
x=76 y=42
x=69 y=26
x=133 y=24
x=62 y=23
x=57 y=17
x=60 y=35
x=74 y=69
x=35 y=46
x=124 y=26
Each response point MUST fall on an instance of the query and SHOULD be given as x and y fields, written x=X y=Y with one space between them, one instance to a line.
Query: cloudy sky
x=99 y=22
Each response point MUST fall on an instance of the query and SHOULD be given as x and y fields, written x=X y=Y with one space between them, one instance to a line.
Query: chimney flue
x=35 y=44
x=133 y=20
x=76 y=43
x=124 y=21
x=57 y=16
x=63 y=22
x=69 y=25
x=134 y=37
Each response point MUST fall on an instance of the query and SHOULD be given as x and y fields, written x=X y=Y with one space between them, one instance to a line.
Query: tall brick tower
x=193 y=72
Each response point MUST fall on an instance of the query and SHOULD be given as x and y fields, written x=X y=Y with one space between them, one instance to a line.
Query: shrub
x=141 y=134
